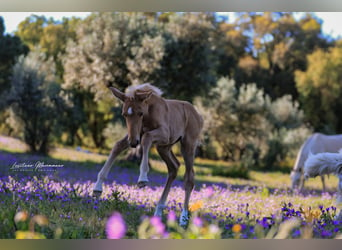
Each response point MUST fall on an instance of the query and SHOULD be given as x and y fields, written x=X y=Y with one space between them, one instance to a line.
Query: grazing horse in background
x=151 y=119
x=317 y=143
x=326 y=163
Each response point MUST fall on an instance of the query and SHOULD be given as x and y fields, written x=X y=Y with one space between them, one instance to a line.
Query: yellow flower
x=21 y=216
x=236 y=228
x=316 y=213
x=197 y=205
x=311 y=214
x=21 y=235
x=41 y=220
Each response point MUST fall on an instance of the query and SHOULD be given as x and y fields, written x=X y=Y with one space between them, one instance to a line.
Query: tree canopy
x=263 y=81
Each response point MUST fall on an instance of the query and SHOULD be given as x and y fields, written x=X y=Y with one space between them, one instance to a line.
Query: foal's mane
x=146 y=87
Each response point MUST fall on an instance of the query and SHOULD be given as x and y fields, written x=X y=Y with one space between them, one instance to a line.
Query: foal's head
x=134 y=108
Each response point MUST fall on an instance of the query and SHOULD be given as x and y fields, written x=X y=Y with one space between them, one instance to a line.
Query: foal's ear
x=142 y=96
x=118 y=94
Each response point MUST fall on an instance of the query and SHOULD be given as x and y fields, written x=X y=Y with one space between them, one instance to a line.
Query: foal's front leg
x=148 y=138
x=102 y=175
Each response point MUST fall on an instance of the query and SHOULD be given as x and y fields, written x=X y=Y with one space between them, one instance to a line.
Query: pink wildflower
x=115 y=227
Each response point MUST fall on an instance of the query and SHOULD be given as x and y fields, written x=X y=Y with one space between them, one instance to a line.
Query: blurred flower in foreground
x=153 y=228
x=158 y=225
x=197 y=222
x=197 y=205
x=236 y=228
x=24 y=235
x=311 y=214
x=115 y=227
x=21 y=216
x=171 y=217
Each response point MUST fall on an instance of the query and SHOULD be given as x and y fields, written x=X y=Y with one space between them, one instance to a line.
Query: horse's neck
x=156 y=102
x=157 y=107
x=303 y=153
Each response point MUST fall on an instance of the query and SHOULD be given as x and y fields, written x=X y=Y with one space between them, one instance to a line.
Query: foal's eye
x=140 y=113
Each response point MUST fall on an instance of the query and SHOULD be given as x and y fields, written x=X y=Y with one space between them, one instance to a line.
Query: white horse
x=317 y=143
x=326 y=163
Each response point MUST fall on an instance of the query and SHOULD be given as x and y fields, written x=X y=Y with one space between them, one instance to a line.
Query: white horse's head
x=295 y=179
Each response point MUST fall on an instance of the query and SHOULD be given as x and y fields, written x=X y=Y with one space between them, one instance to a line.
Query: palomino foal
x=151 y=119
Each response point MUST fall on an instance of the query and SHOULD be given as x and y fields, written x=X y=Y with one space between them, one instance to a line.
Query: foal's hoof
x=97 y=193
x=142 y=184
x=183 y=221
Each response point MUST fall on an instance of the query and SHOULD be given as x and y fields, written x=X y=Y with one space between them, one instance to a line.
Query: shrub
x=34 y=100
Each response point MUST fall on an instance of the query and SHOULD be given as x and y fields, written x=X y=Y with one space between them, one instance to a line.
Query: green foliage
x=277 y=46
x=10 y=48
x=189 y=64
x=31 y=29
x=113 y=133
x=49 y=35
x=320 y=90
x=234 y=171
x=117 y=49
x=34 y=100
x=248 y=126
x=185 y=54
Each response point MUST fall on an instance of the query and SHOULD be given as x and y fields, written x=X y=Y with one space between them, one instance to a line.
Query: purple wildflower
x=171 y=217
x=115 y=227
x=326 y=233
x=197 y=222
x=208 y=192
x=296 y=233
x=157 y=224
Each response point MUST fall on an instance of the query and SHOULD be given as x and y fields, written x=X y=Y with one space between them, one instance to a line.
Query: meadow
x=56 y=201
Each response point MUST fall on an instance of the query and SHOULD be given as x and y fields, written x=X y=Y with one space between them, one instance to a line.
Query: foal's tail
x=323 y=163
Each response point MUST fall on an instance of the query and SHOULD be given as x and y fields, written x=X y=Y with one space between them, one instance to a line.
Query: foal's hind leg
x=172 y=166
x=188 y=152
x=102 y=175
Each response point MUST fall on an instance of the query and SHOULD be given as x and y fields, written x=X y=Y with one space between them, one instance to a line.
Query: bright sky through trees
x=331 y=20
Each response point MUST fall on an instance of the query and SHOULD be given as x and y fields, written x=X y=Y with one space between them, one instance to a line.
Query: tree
x=117 y=49
x=10 y=48
x=244 y=124
x=278 y=46
x=34 y=100
x=320 y=90
x=49 y=35
x=112 y=49
x=31 y=30
x=189 y=65
x=231 y=44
